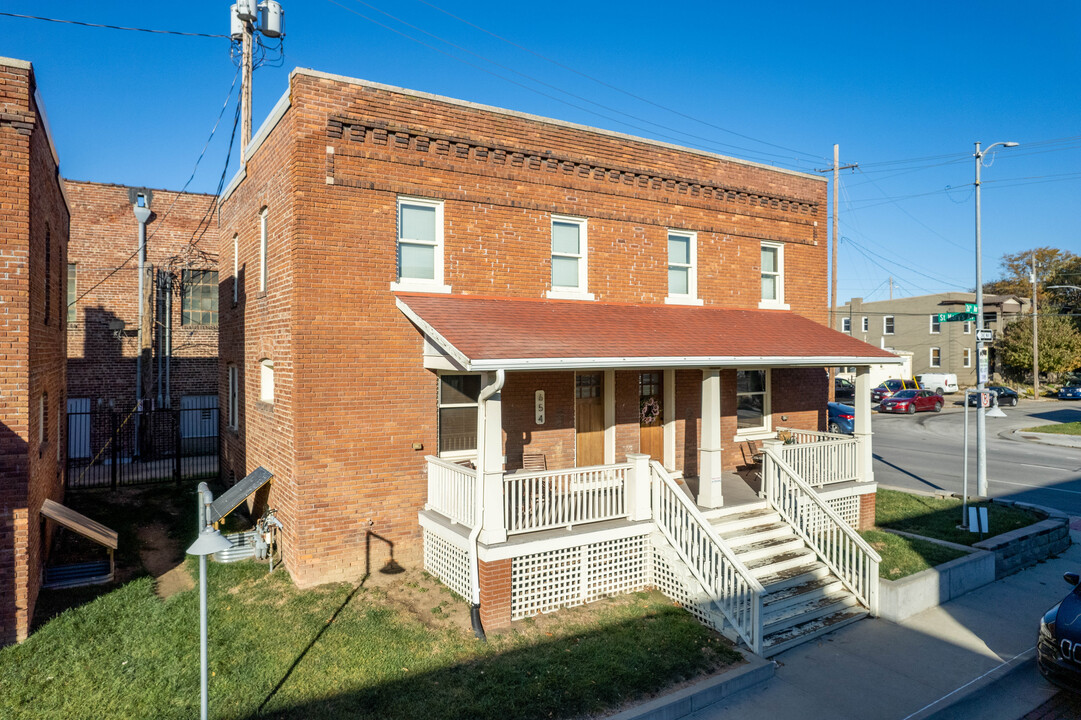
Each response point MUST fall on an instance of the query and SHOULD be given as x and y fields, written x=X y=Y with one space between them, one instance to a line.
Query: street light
x=210 y=541
x=981 y=357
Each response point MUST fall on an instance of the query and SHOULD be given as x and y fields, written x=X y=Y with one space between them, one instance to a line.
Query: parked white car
x=941 y=383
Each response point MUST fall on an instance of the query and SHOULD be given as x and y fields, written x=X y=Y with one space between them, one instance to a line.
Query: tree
x=1016 y=268
x=1060 y=344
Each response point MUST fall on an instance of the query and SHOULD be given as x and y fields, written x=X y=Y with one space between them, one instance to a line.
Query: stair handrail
x=838 y=546
x=728 y=582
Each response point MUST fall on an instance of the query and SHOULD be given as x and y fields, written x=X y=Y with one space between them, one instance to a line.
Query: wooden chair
x=752 y=454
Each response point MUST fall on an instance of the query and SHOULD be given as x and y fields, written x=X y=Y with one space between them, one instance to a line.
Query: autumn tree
x=1053 y=267
x=1059 y=340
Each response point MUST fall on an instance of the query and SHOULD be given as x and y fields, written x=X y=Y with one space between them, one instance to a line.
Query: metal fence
x=109 y=448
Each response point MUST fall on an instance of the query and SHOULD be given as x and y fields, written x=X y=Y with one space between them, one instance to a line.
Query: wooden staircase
x=803 y=599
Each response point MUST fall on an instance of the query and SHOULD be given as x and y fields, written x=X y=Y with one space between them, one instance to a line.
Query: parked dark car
x=843 y=389
x=1072 y=391
x=911 y=401
x=889 y=387
x=1000 y=395
x=1058 y=646
x=842 y=419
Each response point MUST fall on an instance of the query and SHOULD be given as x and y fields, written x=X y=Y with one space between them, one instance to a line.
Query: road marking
x=1037 y=487
x=998 y=667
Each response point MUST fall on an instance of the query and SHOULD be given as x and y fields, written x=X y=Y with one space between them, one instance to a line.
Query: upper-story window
x=73 y=294
x=966 y=356
x=866 y=323
x=936 y=326
x=887 y=325
x=48 y=272
x=420 y=245
x=570 y=258
x=199 y=302
x=266 y=380
x=682 y=268
x=236 y=268
x=772 y=276
x=234 y=398
x=846 y=325
x=264 y=273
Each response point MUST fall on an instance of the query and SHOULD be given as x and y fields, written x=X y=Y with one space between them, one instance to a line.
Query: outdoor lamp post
x=209 y=542
x=981 y=357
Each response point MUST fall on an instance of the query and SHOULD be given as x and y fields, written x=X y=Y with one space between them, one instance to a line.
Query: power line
x=114 y=27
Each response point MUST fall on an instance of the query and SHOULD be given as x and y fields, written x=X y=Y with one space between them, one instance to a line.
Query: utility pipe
x=478 y=519
x=142 y=214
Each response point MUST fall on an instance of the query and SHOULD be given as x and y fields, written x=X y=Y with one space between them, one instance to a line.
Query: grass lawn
x=938 y=517
x=389 y=647
x=1070 y=428
x=902 y=556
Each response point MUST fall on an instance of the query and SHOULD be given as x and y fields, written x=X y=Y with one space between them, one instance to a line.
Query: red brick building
x=390 y=257
x=34 y=217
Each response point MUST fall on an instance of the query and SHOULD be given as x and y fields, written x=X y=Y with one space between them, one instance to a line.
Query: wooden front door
x=589 y=418
x=651 y=415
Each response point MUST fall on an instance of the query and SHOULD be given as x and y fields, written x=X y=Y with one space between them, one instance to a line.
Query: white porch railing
x=727 y=580
x=821 y=458
x=837 y=545
x=564 y=498
x=452 y=490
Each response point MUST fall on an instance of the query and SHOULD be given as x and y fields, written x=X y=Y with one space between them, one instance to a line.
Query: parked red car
x=911 y=401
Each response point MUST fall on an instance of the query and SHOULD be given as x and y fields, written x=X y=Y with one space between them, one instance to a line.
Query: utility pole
x=1035 y=336
x=891 y=287
x=243 y=24
x=837 y=168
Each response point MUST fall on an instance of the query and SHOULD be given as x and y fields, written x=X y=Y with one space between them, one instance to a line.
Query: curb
x=688 y=700
x=1050 y=439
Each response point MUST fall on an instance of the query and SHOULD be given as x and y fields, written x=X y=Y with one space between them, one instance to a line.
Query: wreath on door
x=650 y=410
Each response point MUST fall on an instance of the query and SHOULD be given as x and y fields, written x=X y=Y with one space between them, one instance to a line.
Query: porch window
x=752 y=400
x=420 y=245
x=936 y=326
x=772 y=275
x=458 y=399
x=569 y=258
x=682 y=271
x=887 y=325
x=936 y=357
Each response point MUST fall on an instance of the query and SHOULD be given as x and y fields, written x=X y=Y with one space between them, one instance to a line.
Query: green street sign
x=957 y=317
x=971 y=308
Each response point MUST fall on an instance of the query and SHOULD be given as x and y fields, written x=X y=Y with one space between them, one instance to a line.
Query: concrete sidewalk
x=934 y=663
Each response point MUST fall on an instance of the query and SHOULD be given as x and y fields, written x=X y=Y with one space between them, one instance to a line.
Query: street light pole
x=981 y=357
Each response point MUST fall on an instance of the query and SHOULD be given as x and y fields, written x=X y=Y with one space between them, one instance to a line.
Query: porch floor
x=737 y=488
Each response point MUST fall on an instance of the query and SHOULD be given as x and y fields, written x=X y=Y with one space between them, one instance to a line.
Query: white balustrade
x=564 y=498
x=727 y=580
x=821 y=458
x=452 y=490
x=835 y=543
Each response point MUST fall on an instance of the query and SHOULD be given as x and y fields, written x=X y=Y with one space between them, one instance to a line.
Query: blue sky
x=905 y=91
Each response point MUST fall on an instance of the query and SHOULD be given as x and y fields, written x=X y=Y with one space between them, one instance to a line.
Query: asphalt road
x=924 y=452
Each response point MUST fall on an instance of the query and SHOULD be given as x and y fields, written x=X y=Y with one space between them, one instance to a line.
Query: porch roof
x=488 y=333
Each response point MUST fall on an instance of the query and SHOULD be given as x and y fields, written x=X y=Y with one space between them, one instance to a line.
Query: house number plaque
x=538 y=406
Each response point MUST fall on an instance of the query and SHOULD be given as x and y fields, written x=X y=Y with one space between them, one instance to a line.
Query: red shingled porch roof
x=486 y=333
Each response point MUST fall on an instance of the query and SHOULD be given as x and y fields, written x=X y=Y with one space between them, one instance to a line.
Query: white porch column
x=639 y=485
x=669 y=459
x=862 y=402
x=609 y=417
x=490 y=463
x=709 y=453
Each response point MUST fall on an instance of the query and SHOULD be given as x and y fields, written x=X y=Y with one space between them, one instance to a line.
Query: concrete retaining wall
x=1028 y=545
x=899 y=599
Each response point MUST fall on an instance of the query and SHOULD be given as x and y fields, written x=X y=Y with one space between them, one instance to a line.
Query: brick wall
x=351 y=393
x=181 y=235
x=33 y=253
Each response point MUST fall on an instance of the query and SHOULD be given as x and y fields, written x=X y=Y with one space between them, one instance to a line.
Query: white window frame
x=233 y=399
x=866 y=324
x=691 y=296
x=236 y=268
x=43 y=398
x=846 y=325
x=264 y=274
x=968 y=328
x=887 y=321
x=935 y=327
x=582 y=291
x=778 y=303
x=440 y=405
x=766 y=429
x=435 y=284
x=266 y=381
x=931 y=357
x=967 y=355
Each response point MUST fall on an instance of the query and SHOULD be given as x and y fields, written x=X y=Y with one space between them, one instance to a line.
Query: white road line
x=998 y=667
x=1036 y=487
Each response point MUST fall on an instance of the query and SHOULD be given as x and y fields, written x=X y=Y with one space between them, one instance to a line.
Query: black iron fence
x=109 y=448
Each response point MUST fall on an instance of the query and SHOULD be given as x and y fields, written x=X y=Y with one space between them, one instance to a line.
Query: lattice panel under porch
x=848 y=508
x=547 y=581
x=448 y=563
x=673 y=582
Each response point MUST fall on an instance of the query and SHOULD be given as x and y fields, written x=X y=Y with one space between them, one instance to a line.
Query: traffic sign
x=956 y=317
x=984 y=335
x=971 y=308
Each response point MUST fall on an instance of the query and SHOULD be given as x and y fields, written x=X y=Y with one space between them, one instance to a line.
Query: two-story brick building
x=414 y=286
x=34 y=216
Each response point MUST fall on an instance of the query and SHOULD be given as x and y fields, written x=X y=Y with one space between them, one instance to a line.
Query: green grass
x=902 y=556
x=938 y=517
x=1070 y=428
x=339 y=650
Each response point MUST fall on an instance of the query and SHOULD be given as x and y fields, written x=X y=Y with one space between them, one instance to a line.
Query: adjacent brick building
x=34 y=218
x=368 y=217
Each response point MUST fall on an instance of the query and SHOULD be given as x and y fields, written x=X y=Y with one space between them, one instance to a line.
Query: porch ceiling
x=486 y=333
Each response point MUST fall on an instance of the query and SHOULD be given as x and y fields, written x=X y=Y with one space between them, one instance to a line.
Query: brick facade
x=33 y=254
x=352 y=400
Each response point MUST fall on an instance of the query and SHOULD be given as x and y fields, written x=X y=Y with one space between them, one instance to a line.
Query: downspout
x=478 y=520
x=168 y=339
x=142 y=214
x=159 y=309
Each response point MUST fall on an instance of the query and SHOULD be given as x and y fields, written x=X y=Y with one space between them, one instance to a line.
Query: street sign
x=970 y=308
x=982 y=373
x=956 y=317
x=984 y=335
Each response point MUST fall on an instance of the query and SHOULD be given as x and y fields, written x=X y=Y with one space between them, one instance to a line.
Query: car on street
x=889 y=387
x=1071 y=391
x=843 y=389
x=1000 y=395
x=911 y=401
x=842 y=419
x=941 y=383
x=1058 y=646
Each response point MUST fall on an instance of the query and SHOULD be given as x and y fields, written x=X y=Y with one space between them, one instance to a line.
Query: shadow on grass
x=939 y=517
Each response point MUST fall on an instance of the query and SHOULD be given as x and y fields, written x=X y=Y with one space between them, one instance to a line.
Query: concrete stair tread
x=801 y=633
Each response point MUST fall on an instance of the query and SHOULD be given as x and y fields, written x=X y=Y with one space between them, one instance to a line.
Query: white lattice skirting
x=447 y=562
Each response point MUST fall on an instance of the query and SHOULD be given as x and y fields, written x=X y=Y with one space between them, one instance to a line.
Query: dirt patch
x=163 y=558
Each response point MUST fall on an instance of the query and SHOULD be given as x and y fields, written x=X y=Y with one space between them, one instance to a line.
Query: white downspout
x=478 y=519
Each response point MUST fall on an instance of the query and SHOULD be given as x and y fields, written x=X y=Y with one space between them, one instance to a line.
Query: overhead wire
x=113 y=27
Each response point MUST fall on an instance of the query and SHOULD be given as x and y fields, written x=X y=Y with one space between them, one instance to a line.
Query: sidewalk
x=933 y=663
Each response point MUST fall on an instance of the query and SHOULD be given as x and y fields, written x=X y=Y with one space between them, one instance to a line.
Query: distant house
x=484 y=336
x=34 y=217
x=912 y=324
